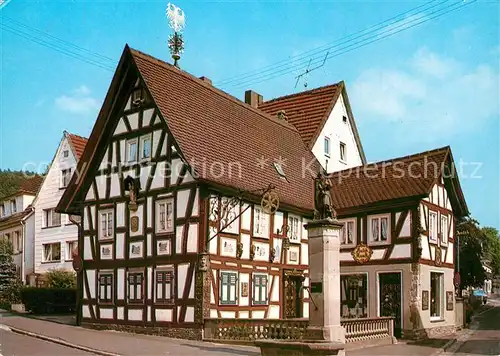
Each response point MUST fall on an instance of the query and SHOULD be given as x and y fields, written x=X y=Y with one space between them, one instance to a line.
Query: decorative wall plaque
x=163 y=247
x=449 y=300
x=244 y=289
x=362 y=253
x=294 y=256
x=425 y=300
x=437 y=259
x=106 y=251
x=316 y=287
x=136 y=249
x=134 y=223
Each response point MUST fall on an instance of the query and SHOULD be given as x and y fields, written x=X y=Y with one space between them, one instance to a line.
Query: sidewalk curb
x=61 y=342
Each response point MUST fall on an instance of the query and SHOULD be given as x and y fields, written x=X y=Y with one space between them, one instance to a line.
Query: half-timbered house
x=399 y=240
x=325 y=121
x=192 y=206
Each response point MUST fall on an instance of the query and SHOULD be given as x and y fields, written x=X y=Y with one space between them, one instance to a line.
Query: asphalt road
x=12 y=344
x=486 y=339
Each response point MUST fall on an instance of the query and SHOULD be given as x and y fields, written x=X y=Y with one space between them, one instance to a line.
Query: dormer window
x=13 y=206
x=137 y=97
x=2 y=210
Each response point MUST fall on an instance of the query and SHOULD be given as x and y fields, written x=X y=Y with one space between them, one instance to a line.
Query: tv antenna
x=308 y=70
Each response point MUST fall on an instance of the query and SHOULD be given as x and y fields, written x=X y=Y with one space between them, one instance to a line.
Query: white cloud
x=78 y=102
x=433 y=98
x=430 y=63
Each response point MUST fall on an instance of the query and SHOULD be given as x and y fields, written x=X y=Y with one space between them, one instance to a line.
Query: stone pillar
x=324 y=280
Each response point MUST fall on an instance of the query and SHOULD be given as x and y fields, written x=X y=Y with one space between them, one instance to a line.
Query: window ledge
x=436 y=319
x=106 y=239
x=48 y=262
x=165 y=233
x=343 y=161
x=50 y=227
x=379 y=243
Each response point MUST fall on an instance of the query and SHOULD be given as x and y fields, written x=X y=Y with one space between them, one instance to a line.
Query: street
x=485 y=340
x=12 y=344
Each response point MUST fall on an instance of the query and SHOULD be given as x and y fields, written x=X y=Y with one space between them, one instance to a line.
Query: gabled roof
x=405 y=177
x=210 y=126
x=309 y=110
x=15 y=218
x=78 y=144
x=28 y=186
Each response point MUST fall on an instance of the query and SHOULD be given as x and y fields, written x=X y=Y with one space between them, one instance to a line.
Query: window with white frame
x=260 y=222
x=135 y=287
x=327 y=146
x=433 y=226
x=259 y=288
x=52 y=252
x=65 y=153
x=165 y=286
x=2 y=209
x=13 y=206
x=106 y=224
x=342 y=151
x=51 y=218
x=444 y=229
x=71 y=247
x=131 y=150
x=293 y=226
x=437 y=295
x=18 y=242
x=165 y=216
x=106 y=287
x=348 y=234
x=379 y=229
x=65 y=177
x=228 y=288
x=145 y=147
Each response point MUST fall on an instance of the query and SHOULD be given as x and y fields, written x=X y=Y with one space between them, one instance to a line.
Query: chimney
x=253 y=99
x=206 y=80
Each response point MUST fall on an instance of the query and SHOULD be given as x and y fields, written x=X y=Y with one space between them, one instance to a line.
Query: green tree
x=470 y=253
x=491 y=246
x=10 y=285
x=60 y=278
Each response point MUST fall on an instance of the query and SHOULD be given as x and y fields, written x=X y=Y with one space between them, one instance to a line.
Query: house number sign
x=134 y=223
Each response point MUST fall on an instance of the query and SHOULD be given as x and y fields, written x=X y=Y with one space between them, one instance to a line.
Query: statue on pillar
x=323 y=205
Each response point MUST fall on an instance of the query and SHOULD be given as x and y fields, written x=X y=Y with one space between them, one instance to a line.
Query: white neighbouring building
x=325 y=121
x=17 y=223
x=55 y=236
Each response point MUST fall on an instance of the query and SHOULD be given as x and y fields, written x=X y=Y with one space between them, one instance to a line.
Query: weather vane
x=177 y=22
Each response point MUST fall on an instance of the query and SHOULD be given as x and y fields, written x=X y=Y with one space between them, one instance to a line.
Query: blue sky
x=431 y=85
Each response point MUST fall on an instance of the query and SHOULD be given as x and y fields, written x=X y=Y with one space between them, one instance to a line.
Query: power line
x=56 y=48
x=356 y=45
x=324 y=48
x=60 y=40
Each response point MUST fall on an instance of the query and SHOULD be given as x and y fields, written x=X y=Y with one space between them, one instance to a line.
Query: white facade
x=337 y=136
x=54 y=236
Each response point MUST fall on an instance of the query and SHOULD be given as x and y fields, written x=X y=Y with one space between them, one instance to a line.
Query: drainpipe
x=23 y=253
x=77 y=220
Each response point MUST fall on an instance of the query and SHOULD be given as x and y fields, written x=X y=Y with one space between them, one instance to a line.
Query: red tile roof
x=398 y=178
x=32 y=184
x=213 y=127
x=78 y=144
x=307 y=111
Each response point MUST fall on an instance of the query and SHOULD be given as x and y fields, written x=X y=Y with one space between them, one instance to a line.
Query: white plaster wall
x=337 y=131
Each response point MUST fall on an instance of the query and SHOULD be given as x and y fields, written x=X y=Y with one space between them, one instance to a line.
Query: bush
x=49 y=300
x=60 y=278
